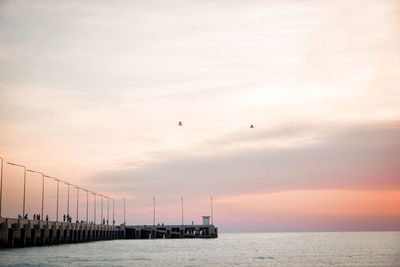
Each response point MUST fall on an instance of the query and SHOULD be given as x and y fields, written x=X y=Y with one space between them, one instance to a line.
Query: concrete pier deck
x=170 y=231
x=24 y=232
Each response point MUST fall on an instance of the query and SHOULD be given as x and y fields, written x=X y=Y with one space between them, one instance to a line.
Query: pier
x=170 y=231
x=25 y=233
x=205 y=230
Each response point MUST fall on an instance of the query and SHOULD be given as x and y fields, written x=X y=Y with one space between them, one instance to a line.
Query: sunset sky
x=92 y=93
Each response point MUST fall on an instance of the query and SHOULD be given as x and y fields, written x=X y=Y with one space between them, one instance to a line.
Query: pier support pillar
x=138 y=234
x=26 y=235
x=18 y=234
x=168 y=233
x=4 y=234
x=36 y=235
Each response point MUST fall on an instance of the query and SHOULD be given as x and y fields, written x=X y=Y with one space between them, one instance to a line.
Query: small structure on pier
x=206 y=220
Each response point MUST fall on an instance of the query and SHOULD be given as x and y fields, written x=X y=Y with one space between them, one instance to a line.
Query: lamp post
x=113 y=212
x=58 y=193
x=154 y=211
x=58 y=190
x=182 y=209
x=87 y=205
x=212 y=214
x=124 y=210
x=67 y=201
x=101 y=222
x=1 y=183
x=41 y=216
x=77 y=203
x=108 y=210
x=23 y=201
x=94 y=207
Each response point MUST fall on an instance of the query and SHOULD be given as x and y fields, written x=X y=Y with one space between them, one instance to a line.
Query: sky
x=92 y=93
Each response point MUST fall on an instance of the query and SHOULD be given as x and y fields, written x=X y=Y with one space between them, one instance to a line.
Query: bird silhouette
x=180 y=124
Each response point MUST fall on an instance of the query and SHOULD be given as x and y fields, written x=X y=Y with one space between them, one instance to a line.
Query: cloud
x=356 y=157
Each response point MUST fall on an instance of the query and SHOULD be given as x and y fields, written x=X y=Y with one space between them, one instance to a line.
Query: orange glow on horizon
x=307 y=207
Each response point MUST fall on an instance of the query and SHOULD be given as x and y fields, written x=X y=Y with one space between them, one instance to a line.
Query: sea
x=230 y=249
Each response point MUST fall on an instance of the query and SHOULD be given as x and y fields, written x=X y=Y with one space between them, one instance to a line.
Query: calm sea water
x=255 y=249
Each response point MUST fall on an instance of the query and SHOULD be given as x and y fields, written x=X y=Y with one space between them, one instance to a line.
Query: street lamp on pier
x=23 y=201
x=124 y=210
x=87 y=205
x=154 y=211
x=94 y=207
x=113 y=212
x=101 y=222
x=58 y=191
x=182 y=208
x=41 y=216
x=1 y=183
x=212 y=212
x=67 y=200
x=77 y=203
x=108 y=210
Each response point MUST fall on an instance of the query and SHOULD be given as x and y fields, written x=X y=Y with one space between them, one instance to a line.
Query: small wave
x=264 y=258
x=140 y=259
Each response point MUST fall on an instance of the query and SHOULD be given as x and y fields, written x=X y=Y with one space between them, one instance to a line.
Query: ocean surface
x=236 y=249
